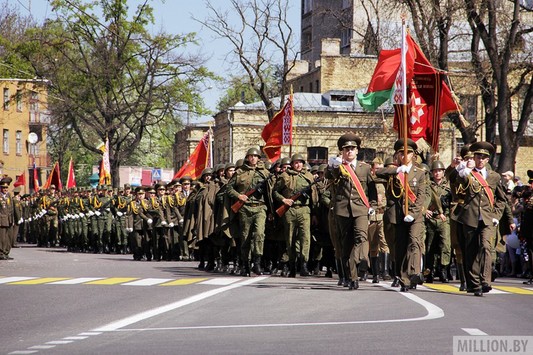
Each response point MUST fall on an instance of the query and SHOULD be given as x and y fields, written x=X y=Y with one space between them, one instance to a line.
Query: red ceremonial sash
x=410 y=193
x=357 y=184
x=485 y=185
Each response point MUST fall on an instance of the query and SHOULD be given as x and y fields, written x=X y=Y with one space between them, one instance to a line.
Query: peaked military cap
x=185 y=179
x=530 y=176
x=160 y=187
x=127 y=186
x=5 y=182
x=411 y=145
x=349 y=140
x=484 y=148
x=465 y=152
x=139 y=190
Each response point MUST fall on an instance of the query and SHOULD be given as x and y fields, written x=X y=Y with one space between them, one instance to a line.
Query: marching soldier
x=248 y=186
x=483 y=207
x=438 y=244
x=296 y=190
x=354 y=200
x=6 y=219
x=140 y=220
x=409 y=238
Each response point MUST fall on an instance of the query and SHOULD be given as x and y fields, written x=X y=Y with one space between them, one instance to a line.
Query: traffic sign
x=156 y=174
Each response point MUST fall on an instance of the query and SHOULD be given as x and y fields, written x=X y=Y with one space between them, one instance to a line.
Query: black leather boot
x=363 y=270
x=374 y=264
x=461 y=273
x=443 y=277
x=245 y=271
x=340 y=271
x=292 y=268
x=303 y=269
x=257 y=266
x=385 y=267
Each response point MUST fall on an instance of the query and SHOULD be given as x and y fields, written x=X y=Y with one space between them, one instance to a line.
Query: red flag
x=278 y=132
x=105 y=167
x=35 y=178
x=71 y=178
x=21 y=180
x=54 y=178
x=429 y=99
x=198 y=160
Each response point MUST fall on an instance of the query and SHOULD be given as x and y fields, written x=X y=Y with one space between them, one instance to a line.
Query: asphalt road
x=54 y=302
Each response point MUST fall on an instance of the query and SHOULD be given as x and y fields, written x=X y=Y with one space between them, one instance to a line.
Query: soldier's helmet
x=424 y=166
x=268 y=165
x=388 y=161
x=206 y=171
x=253 y=151
x=219 y=167
x=437 y=165
x=229 y=166
x=285 y=161
x=239 y=163
x=322 y=168
x=465 y=152
x=314 y=169
x=297 y=157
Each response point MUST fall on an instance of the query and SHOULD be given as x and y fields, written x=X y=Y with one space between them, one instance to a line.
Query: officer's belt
x=255 y=204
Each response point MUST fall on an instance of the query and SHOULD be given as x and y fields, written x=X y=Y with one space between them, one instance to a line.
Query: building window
x=366 y=154
x=317 y=155
x=307 y=6
x=317 y=87
x=311 y=87
x=469 y=104
x=6 y=141
x=306 y=41
x=6 y=99
x=34 y=102
x=346 y=36
x=18 y=139
x=18 y=98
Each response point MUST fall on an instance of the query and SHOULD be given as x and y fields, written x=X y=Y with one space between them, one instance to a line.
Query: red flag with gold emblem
x=429 y=99
x=278 y=132
x=54 y=178
x=198 y=160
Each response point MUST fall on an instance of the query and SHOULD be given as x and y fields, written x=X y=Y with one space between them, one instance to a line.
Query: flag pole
x=404 y=118
x=292 y=126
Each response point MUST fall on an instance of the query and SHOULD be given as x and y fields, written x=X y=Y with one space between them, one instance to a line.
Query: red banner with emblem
x=278 y=132
x=198 y=160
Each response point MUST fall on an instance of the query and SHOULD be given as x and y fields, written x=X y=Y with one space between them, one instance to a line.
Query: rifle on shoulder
x=280 y=211
x=257 y=188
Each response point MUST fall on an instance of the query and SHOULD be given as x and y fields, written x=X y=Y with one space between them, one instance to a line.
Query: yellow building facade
x=24 y=122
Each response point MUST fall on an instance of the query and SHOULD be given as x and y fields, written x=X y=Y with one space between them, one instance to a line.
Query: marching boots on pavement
x=303 y=269
x=385 y=270
x=374 y=261
x=292 y=268
x=461 y=273
x=245 y=271
x=340 y=271
x=257 y=265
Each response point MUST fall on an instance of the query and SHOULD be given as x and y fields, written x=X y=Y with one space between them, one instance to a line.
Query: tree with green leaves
x=111 y=78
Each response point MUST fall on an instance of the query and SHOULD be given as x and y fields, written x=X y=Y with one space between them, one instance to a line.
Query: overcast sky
x=175 y=16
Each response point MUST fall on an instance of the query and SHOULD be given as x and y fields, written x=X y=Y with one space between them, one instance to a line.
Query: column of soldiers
x=397 y=219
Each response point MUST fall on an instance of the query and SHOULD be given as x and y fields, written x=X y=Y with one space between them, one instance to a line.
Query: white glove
x=335 y=161
x=81 y=214
x=164 y=223
x=21 y=221
x=171 y=225
x=495 y=222
x=408 y=218
x=402 y=169
x=120 y=214
x=30 y=219
x=97 y=213
x=149 y=221
x=108 y=209
x=180 y=222
x=129 y=230
x=91 y=213
x=371 y=211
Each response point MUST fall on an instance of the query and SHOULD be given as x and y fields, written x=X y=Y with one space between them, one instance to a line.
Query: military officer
x=6 y=218
x=483 y=207
x=355 y=199
x=409 y=238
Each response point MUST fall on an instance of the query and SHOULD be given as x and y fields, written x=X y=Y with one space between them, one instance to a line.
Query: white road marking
x=42 y=347
x=433 y=312
x=90 y=333
x=474 y=331
x=220 y=281
x=59 y=342
x=23 y=352
x=74 y=338
x=6 y=280
x=172 y=306
x=146 y=282
x=75 y=281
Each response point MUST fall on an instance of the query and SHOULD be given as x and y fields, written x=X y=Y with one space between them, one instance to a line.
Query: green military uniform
x=252 y=215
x=438 y=243
x=297 y=219
x=409 y=227
x=6 y=219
